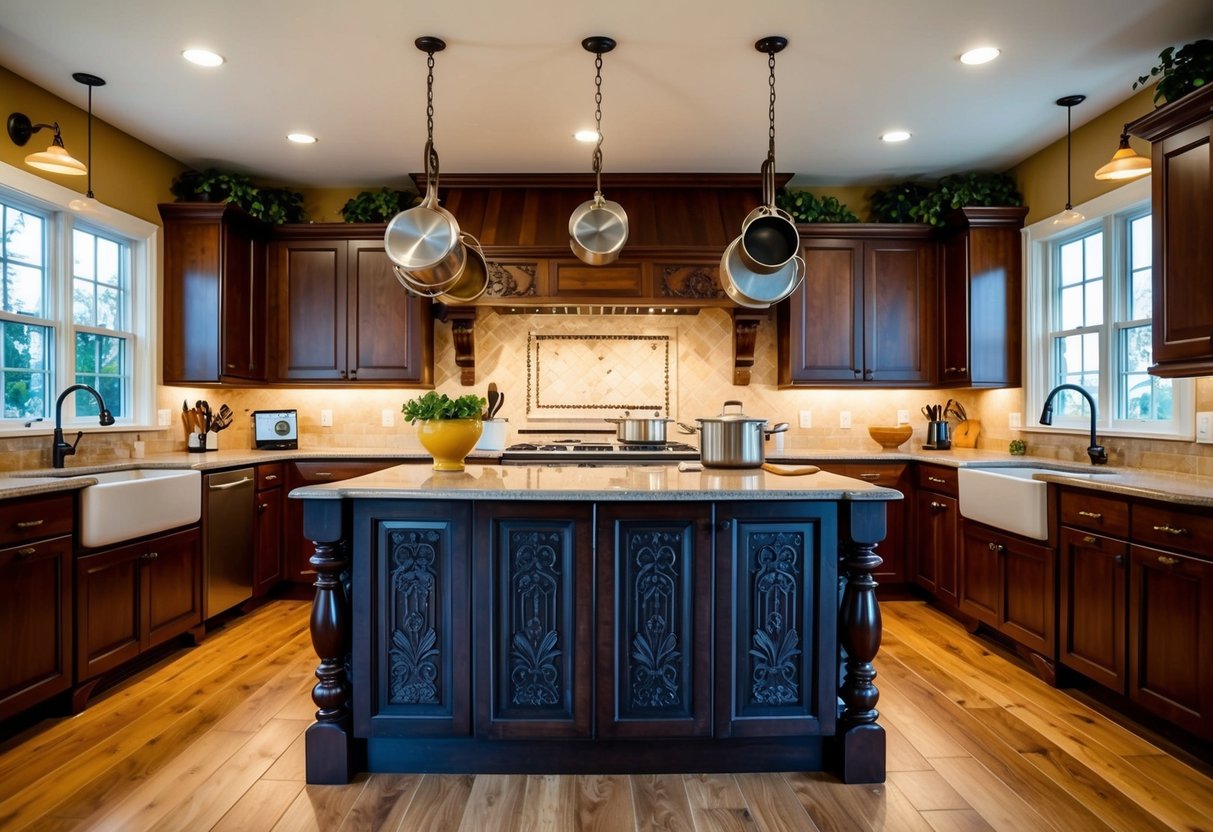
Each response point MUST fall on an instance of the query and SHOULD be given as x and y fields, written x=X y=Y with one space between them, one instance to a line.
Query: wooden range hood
x=679 y=226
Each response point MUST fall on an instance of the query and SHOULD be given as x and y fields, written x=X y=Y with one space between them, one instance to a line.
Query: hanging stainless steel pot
x=769 y=239
x=598 y=228
x=732 y=440
x=475 y=277
x=757 y=291
x=424 y=240
x=632 y=430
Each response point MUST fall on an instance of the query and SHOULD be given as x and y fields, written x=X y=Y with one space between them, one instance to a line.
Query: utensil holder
x=197 y=443
x=938 y=436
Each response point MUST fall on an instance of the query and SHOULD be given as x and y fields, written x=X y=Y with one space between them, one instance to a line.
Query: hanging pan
x=598 y=228
x=424 y=240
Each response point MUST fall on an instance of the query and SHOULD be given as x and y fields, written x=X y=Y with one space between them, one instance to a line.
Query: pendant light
x=89 y=81
x=1126 y=162
x=1069 y=216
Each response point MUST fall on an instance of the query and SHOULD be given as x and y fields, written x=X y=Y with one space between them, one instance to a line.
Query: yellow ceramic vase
x=449 y=440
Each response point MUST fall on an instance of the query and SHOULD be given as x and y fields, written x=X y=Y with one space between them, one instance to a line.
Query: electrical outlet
x=806 y=418
x=844 y=419
x=388 y=417
x=326 y=418
x=1014 y=420
x=1204 y=427
x=903 y=417
x=164 y=418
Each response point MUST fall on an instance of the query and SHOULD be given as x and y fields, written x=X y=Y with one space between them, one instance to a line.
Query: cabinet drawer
x=35 y=518
x=877 y=473
x=1173 y=528
x=1085 y=510
x=336 y=471
x=937 y=478
x=269 y=475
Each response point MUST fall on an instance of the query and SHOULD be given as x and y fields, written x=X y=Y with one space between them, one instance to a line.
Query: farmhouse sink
x=1009 y=498
x=129 y=504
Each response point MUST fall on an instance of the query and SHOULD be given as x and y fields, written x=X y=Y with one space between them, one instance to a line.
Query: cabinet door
x=533 y=584
x=411 y=645
x=243 y=298
x=899 y=311
x=954 y=308
x=310 y=280
x=1029 y=597
x=108 y=594
x=654 y=620
x=172 y=586
x=980 y=574
x=777 y=619
x=1094 y=600
x=267 y=558
x=824 y=316
x=937 y=545
x=389 y=335
x=1171 y=637
x=36 y=619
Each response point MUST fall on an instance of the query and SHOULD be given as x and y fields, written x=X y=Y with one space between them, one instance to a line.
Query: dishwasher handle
x=228 y=485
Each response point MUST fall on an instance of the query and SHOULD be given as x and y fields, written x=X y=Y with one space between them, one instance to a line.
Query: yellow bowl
x=890 y=437
x=449 y=440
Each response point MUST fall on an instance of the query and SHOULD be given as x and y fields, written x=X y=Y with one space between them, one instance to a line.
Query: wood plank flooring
x=213 y=739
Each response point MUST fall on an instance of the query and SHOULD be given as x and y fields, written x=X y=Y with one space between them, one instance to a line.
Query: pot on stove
x=633 y=430
x=732 y=440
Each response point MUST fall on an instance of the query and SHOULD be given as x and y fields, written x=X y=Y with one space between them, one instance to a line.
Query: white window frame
x=65 y=208
x=1106 y=212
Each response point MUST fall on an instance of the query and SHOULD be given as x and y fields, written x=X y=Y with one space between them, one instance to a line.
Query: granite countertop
x=607 y=483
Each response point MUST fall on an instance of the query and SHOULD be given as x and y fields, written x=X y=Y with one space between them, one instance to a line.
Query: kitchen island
x=594 y=619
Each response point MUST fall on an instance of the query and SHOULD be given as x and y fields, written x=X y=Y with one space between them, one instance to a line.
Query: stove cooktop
x=575 y=450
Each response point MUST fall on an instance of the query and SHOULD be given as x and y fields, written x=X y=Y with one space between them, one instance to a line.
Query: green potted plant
x=272 y=205
x=805 y=206
x=897 y=203
x=447 y=428
x=1182 y=70
x=919 y=202
x=378 y=206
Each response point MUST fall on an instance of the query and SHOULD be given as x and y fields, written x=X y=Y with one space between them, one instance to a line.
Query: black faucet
x=1097 y=453
x=60 y=450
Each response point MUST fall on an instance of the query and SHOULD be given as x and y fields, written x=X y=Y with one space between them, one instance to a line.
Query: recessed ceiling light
x=586 y=135
x=895 y=136
x=202 y=57
x=301 y=138
x=980 y=55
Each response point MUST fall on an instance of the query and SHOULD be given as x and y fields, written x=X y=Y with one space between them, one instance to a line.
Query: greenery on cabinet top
x=1182 y=70
x=274 y=205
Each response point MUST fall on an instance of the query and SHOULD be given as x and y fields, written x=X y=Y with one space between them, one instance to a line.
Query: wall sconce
x=1126 y=162
x=55 y=159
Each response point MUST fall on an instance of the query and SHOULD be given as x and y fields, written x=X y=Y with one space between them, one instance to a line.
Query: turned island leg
x=860 y=741
x=329 y=742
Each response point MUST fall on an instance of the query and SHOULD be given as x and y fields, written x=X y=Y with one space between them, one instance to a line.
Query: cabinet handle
x=939 y=506
x=858 y=372
x=1090 y=540
x=231 y=366
x=271 y=477
x=954 y=369
x=353 y=374
x=150 y=555
x=29 y=524
x=1176 y=530
x=1166 y=561
x=26 y=552
x=997 y=547
x=263 y=507
x=323 y=474
x=724 y=525
x=867 y=374
x=936 y=479
x=228 y=485
x=342 y=373
x=1094 y=515
x=1119 y=560
x=869 y=476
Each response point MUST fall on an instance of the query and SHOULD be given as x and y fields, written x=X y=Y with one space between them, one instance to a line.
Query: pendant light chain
x=771 y=112
x=429 y=97
x=598 y=123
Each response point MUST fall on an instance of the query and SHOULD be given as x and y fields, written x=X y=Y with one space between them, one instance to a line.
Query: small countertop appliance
x=275 y=430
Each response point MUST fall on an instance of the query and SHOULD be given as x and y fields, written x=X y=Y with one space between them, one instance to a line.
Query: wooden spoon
x=492 y=408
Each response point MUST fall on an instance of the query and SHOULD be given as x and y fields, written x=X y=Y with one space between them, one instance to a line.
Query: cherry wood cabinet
x=937 y=532
x=894 y=549
x=1094 y=603
x=341 y=314
x=267 y=551
x=865 y=313
x=134 y=597
x=1008 y=582
x=214 y=296
x=1181 y=137
x=36 y=616
x=980 y=321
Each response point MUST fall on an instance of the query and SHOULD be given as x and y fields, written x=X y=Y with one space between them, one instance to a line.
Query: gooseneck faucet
x=1098 y=455
x=60 y=450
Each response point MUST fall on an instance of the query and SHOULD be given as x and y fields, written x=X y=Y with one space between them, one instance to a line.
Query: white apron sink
x=1009 y=498
x=127 y=504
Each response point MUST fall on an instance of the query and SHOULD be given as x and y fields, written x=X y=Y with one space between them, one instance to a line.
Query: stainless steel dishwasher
x=228 y=540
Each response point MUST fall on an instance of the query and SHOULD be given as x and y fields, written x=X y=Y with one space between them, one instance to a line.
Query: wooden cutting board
x=965 y=435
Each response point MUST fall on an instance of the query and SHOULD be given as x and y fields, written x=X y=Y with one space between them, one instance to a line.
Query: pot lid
x=726 y=416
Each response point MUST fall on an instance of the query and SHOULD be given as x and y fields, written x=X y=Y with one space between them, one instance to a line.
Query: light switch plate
x=388 y=417
x=903 y=417
x=164 y=418
x=844 y=419
x=806 y=418
x=1014 y=420
x=326 y=418
x=1204 y=427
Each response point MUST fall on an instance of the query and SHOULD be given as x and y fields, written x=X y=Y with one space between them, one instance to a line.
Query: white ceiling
x=685 y=89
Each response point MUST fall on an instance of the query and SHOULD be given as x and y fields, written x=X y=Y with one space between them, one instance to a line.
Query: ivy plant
x=378 y=206
x=435 y=405
x=806 y=207
x=1182 y=70
x=930 y=203
x=898 y=202
x=272 y=205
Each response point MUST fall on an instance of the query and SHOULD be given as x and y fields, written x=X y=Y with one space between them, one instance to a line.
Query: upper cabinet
x=865 y=312
x=214 y=294
x=1180 y=134
x=341 y=314
x=979 y=301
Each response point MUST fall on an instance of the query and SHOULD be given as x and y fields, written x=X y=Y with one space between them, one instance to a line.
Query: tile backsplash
x=702 y=381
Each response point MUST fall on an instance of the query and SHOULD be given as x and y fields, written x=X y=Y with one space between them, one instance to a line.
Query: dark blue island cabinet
x=544 y=636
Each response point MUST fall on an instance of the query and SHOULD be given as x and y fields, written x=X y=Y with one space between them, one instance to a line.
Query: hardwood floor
x=213 y=739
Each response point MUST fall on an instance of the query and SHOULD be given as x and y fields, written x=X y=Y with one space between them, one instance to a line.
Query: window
x=76 y=303
x=1089 y=311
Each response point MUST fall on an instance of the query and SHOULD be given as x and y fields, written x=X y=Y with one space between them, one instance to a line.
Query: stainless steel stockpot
x=632 y=430
x=732 y=440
